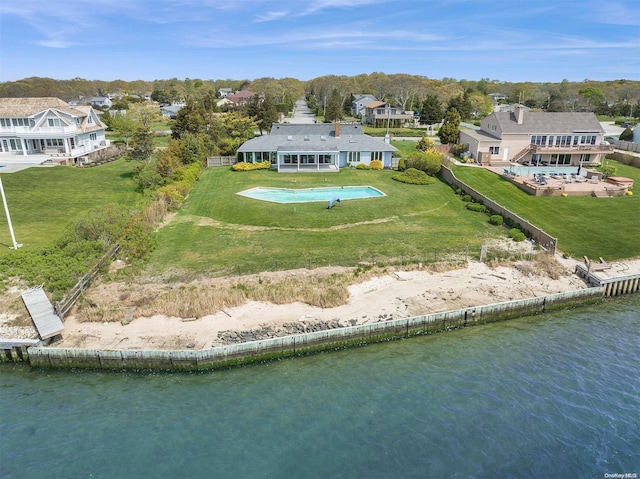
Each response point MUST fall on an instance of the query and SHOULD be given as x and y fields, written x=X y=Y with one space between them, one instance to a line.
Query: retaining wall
x=541 y=237
x=258 y=351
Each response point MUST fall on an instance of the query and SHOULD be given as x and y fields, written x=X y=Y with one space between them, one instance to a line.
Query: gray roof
x=316 y=137
x=549 y=123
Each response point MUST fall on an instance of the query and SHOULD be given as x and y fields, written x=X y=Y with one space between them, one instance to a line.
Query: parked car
x=627 y=124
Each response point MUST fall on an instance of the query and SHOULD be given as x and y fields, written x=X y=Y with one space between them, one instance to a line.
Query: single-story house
x=316 y=147
x=49 y=126
x=531 y=137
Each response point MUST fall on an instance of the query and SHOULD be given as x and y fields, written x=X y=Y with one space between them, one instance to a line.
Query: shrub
x=414 y=177
x=402 y=164
x=626 y=135
x=429 y=161
x=375 y=165
x=476 y=207
x=362 y=166
x=246 y=166
x=516 y=234
x=467 y=198
x=496 y=220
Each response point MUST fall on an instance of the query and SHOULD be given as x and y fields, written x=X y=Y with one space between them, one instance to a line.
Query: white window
x=15 y=144
x=93 y=136
x=376 y=155
x=354 y=157
x=5 y=122
x=54 y=142
x=53 y=122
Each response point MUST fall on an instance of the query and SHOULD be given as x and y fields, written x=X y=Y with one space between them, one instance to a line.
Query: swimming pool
x=306 y=195
x=521 y=170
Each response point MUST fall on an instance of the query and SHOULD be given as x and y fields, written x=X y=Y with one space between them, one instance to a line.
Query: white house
x=49 y=126
x=316 y=147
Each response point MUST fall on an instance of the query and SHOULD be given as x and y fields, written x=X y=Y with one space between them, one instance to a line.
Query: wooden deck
x=44 y=317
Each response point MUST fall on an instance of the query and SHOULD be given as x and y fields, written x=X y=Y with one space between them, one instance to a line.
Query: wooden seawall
x=258 y=351
x=613 y=285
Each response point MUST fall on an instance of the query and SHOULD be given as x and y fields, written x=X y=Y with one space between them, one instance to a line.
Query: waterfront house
x=537 y=138
x=49 y=126
x=316 y=147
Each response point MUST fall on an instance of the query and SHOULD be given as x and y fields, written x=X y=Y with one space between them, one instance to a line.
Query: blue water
x=556 y=395
x=286 y=195
x=521 y=170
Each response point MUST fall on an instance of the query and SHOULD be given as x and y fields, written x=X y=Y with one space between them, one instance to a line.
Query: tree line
x=409 y=92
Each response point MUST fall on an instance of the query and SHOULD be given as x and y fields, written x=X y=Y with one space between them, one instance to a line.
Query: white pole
x=6 y=210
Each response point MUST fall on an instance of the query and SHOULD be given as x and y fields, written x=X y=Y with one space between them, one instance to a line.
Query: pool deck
x=556 y=186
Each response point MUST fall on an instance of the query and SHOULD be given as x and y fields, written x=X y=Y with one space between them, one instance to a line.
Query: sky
x=504 y=40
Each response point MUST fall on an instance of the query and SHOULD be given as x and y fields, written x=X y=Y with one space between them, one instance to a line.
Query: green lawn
x=220 y=231
x=42 y=201
x=406 y=147
x=584 y=225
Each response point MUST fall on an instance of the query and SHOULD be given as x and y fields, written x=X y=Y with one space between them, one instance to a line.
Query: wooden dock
x=44 y=317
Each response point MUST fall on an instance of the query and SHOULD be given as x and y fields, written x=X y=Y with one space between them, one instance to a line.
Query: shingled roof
x=315 y=137
x=535 y=122
x=24 y=107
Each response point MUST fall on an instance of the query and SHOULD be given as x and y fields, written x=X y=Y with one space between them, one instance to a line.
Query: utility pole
x=6 y=210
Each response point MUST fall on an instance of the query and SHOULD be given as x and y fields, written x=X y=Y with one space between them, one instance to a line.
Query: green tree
x=267 y=114
x=425 y=144
x=124 y=126
x=145 y=114
x=450 y=129
x=462 y=104
x=141 y=144
x=189 y=119
x=429 y=161
x=626 y=135
x=333 y=111
x=431 y=110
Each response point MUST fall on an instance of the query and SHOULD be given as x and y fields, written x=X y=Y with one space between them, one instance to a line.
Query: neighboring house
x=359 y=103
x=170 y=111
x=49 y=126
x=381 y=114
x=101 y=101
x=316 y=147
x=240 y=98
x=529 y=137
x=224 y=92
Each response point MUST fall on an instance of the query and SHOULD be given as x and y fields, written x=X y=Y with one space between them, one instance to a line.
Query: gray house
x=316 y=147
x=359 y=103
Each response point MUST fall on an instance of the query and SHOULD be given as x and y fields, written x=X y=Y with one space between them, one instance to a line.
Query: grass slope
x=584 y=225
x=220 y=231
x=42 y=201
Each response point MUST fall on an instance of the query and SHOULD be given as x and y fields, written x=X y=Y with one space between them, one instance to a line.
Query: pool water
x=306 y=195
x=521 y=170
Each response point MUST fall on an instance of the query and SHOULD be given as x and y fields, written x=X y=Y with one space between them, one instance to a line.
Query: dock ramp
x=47 y=322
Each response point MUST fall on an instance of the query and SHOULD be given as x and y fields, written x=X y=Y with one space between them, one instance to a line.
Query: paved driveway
x=302 y=114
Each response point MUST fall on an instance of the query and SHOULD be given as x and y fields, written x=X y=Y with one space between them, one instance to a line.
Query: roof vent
x=289 y=138
x=323 y=137
x=306 y=137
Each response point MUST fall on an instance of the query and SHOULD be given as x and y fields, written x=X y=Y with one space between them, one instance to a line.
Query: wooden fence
x=221 y=161
x=63 y=306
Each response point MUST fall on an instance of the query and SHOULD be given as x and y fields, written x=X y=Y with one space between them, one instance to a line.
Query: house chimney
x=337 y=129
x=519 y=114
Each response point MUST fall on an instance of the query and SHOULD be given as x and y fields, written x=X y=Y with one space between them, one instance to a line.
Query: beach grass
x=584 y=225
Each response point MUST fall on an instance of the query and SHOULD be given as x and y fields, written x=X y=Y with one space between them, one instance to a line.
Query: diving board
x=47 y=322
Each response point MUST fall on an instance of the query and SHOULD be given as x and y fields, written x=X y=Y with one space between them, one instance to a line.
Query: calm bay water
x=550 y=396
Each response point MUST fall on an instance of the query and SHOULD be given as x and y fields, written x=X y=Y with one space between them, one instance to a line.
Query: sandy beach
x=394 y=294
